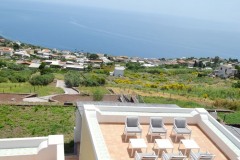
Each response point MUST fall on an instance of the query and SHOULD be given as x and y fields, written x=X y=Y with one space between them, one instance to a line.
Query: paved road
x=61 y=84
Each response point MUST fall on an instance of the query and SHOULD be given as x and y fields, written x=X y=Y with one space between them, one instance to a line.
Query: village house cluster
x=80 y=61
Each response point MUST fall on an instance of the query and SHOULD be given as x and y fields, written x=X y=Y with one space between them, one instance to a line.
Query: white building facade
x=226 y=71
x=118 y=71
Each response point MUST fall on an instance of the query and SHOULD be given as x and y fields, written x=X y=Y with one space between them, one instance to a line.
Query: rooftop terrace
x=99 y=129
x=118 y=148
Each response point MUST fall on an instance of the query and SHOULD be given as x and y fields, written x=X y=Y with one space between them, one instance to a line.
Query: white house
x=74 y=67
x=118 y=71
x=32 y=148
x=34 y=65
x=148 y=65
x=6 y=51
x=225 y=71
x=21 y=53
x=105 y=60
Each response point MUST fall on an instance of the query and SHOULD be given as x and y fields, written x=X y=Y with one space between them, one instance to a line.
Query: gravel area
x=12 y=97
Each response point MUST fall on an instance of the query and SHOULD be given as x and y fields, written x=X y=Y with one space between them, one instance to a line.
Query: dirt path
x=161 y=94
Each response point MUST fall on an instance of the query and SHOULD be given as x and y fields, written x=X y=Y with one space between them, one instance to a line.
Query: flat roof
x=111 y=104
x=120 y=68
x=203 y=124
x=34 y=65
x=118 y=147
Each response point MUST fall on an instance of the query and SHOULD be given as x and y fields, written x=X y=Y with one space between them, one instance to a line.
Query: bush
x=97 y=95
x=3 y=79
x=202 y=75
x=101 y=71
x=16 y=76
x=134 y=66
x=42 y=79
x=12 y=79
x=46 y=71
x=3 y=63
x=93 y=80
x=236 y=85
x=16 y=67
x=232 y=105
x=72 y=79
x=21 y=77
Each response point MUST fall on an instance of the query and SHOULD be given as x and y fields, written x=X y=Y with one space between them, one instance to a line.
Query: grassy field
x=181 y=103
x=183 y=87
x=28 y=88
x=36 y=121
x=183 y=83
x=230 y=118
x=90 y=90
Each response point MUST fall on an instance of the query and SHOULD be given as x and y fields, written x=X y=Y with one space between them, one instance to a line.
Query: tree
x=134 y=66
x=42 y=66
x=46 y=71
x=195 y=64
x=233 y=60
x=216 y=60
x=89 y=68
x=16 y=46
x=200 y=64
x=237 y=75
x=93 y=56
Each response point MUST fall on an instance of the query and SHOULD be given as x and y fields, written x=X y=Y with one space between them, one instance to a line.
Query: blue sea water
x=116 y=32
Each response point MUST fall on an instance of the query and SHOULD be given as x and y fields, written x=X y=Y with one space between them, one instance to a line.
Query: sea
x=116 y=32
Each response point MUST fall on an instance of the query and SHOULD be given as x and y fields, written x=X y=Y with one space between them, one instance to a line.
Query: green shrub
x=72 y=79
x=101 y=71
x=236 y=85
x=13 y=79
x=232 y=105
x=21 y=77
x=134 y=66
x=16 y=67
x=42 y=79
x=46 y=71
x=3 y=79
x=16 y=76
x=97 y=95
x=202 y=74
x=93 y=80
x=3 y=63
